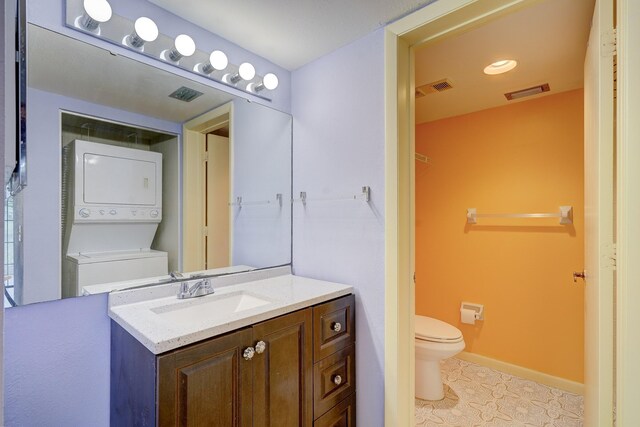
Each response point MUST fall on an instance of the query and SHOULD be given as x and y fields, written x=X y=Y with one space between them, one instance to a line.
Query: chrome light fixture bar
x=96 y=18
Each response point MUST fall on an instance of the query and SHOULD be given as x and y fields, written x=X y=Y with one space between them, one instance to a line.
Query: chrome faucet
x=198 y=289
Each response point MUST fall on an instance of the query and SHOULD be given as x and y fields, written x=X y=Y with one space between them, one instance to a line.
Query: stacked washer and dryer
x=111 y=209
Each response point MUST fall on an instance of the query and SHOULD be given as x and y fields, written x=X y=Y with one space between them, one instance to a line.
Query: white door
x=599 y=218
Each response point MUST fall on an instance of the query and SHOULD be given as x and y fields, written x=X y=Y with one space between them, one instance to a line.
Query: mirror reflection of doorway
x=207 y=226
x=217 y=196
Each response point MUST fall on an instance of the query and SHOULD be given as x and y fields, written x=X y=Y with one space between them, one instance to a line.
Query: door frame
x=426 y=25
x=628 y=212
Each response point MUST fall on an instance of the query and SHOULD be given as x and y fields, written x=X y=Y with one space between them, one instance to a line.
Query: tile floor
x=479 y=396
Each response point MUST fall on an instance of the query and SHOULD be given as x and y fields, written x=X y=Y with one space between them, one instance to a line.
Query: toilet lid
x=430 y=329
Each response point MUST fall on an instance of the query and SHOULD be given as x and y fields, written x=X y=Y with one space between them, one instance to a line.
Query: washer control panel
x=117 y=214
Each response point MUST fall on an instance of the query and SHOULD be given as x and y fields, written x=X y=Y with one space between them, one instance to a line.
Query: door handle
x=578 y=274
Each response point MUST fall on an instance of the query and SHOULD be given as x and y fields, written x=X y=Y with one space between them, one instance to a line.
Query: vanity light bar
x=95 y=17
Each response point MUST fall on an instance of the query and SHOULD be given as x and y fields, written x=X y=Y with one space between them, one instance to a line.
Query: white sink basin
x=210 y=306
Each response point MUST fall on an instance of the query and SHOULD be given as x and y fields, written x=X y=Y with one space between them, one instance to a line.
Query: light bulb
x=246 y=71
x=95 y=13
x=269 y=81
x=145 y=30
x=183 y=46
x=217 y=61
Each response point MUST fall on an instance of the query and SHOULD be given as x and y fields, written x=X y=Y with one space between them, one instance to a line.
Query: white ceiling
x=548 y=40
x=291 y=33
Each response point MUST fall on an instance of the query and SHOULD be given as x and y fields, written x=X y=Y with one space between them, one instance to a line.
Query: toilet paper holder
x=478 y=308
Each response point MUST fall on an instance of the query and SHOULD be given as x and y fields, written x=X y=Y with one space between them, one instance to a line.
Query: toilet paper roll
x=468 y=316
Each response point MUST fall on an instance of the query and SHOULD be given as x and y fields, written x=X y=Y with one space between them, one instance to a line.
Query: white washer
x=106 y=267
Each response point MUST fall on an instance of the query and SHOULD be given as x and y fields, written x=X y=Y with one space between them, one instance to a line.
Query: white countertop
x=137 y=310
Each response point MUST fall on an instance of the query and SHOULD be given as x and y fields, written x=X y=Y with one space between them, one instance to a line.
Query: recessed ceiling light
x=500 y=67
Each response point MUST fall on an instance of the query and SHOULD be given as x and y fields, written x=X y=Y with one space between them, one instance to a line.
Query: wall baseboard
x=526 y=373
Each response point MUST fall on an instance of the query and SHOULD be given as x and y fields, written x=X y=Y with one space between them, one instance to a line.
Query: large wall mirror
x=135 y=173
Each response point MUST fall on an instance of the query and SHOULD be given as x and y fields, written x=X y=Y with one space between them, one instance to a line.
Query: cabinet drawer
x=334 y=378
x=333 y=326
x=342 y=415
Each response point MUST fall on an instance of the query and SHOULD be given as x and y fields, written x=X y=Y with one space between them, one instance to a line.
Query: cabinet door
x=283 y=373
x=208 y=384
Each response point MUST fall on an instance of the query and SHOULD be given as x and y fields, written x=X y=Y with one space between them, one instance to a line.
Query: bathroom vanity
x=278 y=352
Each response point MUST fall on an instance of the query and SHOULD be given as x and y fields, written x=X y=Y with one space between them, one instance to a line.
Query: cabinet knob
x=261 y=346
x=337 y=379
x=336 y=326
x=248 y=353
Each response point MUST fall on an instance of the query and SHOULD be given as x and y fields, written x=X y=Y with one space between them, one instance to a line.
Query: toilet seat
x=434 y=330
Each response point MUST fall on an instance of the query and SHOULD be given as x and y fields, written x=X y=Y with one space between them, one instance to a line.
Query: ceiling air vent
x=439 y=86
x=527 y=92
x=185 y=94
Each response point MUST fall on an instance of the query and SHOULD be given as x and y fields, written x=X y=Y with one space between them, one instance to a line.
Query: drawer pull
x=248 y=353
x=336 y=326
x=261 y=346
x=337 y=379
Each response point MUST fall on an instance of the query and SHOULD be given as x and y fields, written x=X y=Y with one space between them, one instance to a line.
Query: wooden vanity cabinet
x=211 y=383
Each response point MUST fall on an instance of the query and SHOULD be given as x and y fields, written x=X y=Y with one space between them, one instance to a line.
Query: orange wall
x=525 y=157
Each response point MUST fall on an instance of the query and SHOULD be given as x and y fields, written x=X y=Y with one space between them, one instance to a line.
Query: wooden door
x=599 y=218
x=208 y=384
x=218 y=195
x=283 y=373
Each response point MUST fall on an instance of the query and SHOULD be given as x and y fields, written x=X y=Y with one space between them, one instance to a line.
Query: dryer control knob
x=113 y=212
x=154 y=213
x=84 y=213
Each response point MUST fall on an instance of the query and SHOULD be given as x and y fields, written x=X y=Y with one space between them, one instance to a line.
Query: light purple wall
x=50 y=14
x=338 y=128
x=56 y=363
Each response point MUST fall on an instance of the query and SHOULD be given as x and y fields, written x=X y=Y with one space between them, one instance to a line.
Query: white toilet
x=435 y=341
